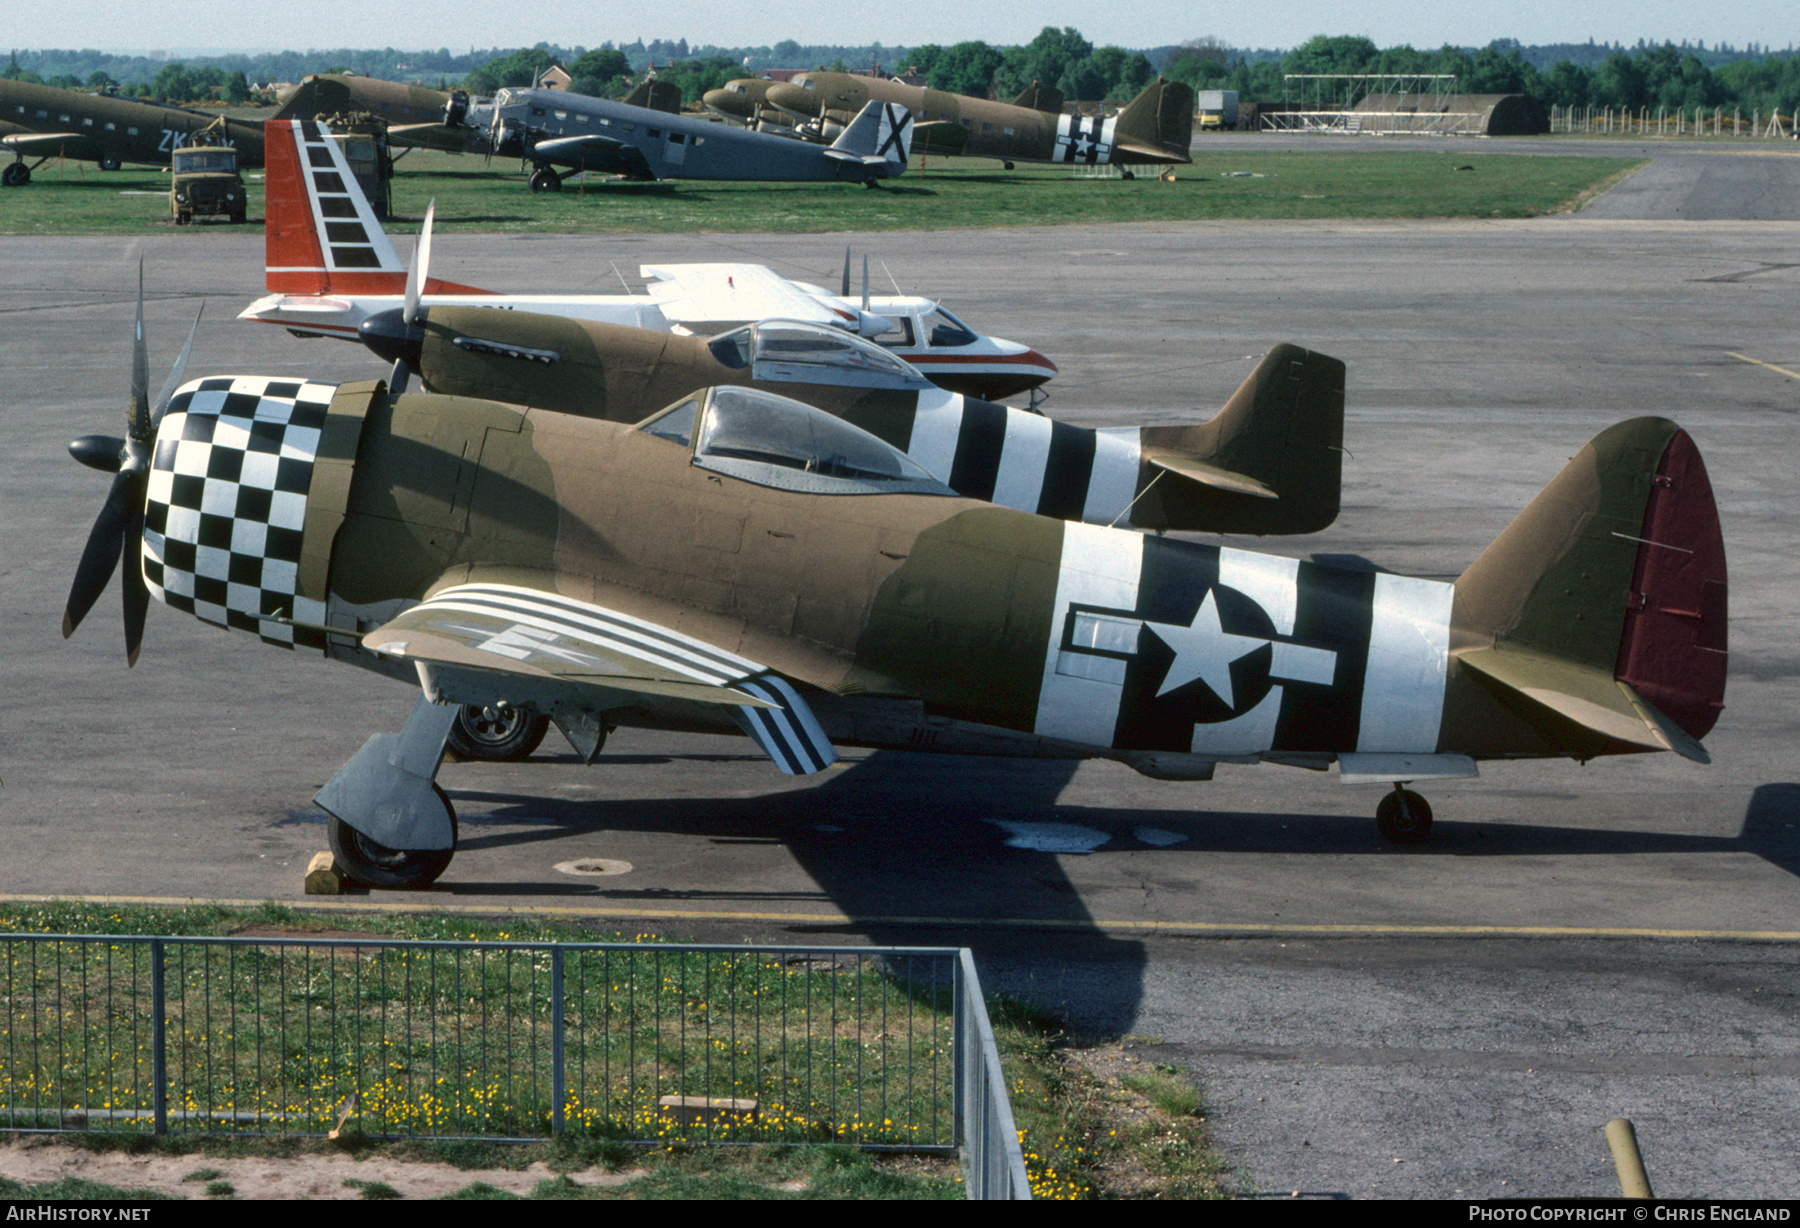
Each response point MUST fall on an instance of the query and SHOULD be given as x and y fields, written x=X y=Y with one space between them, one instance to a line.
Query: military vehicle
x=740 y=562
x=1155 y=128
x=44 y=122
x=204 y=182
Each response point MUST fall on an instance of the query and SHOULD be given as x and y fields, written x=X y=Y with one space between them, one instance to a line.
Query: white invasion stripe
x=632 y=649
x=599 y=616
x=1244 y=734
x=790 y=735
x=1113 y=483
x=1107 y=137
x=1272 y=582
x=632 y=636
x=1099 y=567
x=1023 y=458
x=936 y=426
x=1409 y=651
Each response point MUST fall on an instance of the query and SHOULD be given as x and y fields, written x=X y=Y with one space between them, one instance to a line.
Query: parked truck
x=1216 y=109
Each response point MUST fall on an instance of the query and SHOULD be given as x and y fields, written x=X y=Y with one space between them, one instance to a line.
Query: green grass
x=75 y=198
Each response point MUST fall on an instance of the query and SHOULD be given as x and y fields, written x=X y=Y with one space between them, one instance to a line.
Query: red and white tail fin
x=322 y=236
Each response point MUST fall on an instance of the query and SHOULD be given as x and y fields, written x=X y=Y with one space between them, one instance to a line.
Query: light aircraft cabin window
x=772 y=441
x=897 y=336
x=946 y=331
x=561 y=114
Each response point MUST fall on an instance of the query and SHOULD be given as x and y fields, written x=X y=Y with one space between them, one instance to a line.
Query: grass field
x=75 y=198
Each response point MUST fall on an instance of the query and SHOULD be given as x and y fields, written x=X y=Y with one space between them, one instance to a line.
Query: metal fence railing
x=498 y=1040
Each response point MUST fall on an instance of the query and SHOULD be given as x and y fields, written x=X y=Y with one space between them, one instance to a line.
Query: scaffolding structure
x=1339 y=102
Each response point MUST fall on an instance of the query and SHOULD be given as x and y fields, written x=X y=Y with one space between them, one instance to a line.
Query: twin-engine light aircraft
x=553 y=128
x=329 y=266
x=1155 y=128
x=45 y=122
x=742 y=561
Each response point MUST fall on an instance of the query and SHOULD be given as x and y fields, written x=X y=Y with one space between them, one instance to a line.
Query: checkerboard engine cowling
x=227 y=503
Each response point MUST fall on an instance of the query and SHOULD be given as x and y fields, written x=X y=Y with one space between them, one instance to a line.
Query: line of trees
x=1648 y=76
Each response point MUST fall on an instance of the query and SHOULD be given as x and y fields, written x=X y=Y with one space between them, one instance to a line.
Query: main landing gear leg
x=391 y=825
x=1403 y=816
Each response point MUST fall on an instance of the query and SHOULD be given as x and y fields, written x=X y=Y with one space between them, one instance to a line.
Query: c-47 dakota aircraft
x=44 y=122
x=741 y=561
x=330 y=266
x=1155 y=128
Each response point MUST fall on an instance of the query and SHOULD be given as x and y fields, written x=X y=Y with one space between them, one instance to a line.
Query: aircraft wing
x=48 y=144
x=595 y=153
x=603 y=658
x=441 y=137
x=733 y=293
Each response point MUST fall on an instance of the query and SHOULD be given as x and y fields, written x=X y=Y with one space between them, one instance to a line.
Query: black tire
x=378 y=866
x=239 y=218
x=16 y=175
x=496 y=733
x=1007 y=165
x=1404 y=817
x=183 y=218
x=109 y=163
x=1128 y=174
x=545 y=180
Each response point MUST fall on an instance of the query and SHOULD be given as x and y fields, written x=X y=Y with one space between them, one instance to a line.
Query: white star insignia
x=1204 y=650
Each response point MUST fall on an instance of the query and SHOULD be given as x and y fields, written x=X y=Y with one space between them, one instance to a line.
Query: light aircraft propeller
x=119 y=531
x=398 y=334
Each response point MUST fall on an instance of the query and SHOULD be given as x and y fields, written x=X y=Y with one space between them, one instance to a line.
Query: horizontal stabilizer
x=1591 y=698
x=1211 y=475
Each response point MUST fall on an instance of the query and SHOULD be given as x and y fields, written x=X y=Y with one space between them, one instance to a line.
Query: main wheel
x=16 y=175
x=1128 y=174
x=109 y=163
x=545 y=180
x=1404 y=817
x=496 y=732
x=376 y=865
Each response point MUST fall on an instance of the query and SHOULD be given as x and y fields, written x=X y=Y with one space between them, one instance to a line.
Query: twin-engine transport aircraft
x=44 y=122
x=744 y=562
x=553 y=128
x=1155 y=128
x=330 y=266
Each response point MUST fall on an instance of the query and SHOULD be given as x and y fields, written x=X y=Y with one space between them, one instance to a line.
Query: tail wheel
x=376 y=865
x=496 y=732
x=1404 y=817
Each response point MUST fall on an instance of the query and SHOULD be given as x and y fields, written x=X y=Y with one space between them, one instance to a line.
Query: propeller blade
x=424 y=255
x=137 y=411
x=845 y=291
x=133 y=589
x=101 y=553
x=865 y=302
x=175 y=374
x=397 y=377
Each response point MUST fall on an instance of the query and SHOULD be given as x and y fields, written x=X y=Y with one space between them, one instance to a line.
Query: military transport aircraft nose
x=729 y=102
x=391 y=338
x=795 y=98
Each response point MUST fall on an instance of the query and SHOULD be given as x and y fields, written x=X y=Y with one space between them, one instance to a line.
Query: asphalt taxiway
x=1576 y=942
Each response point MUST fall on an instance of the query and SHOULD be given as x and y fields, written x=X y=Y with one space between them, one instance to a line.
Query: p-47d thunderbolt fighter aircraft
x=330 y=266
x=741 y=561
x=553 y=128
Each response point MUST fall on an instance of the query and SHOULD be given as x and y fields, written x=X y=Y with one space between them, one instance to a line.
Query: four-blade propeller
x=119 y=531
x=398 y=334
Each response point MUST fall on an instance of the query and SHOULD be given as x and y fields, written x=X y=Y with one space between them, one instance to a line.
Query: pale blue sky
x=184 y=25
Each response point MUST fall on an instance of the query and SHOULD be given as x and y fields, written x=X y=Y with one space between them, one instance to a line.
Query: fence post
x=557 y=1096
x=159 y=1041
x=960 y=1041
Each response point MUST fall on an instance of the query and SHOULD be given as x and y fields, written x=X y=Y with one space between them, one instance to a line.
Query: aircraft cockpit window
x=732 y=349
x=897 y=336
x=790 y=351
x=946 y=331
x=675 y=423
x=772 y=441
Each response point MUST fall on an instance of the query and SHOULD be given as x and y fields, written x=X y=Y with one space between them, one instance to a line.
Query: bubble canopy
x=773 y=441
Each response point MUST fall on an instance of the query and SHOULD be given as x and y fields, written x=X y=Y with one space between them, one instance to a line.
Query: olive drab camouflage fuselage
x=686 y=573
x=42 y=122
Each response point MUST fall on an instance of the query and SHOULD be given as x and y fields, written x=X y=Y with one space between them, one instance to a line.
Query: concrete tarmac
x=1367 y=1020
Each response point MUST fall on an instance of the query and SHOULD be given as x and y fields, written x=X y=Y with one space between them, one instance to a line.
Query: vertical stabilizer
x=1158 y=124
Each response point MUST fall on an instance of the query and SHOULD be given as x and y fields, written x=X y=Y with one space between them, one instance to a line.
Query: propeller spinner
x=398 y=334
x=119 y=531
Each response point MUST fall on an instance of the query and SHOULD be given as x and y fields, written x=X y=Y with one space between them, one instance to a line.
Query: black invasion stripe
x=777 y=741
x=592 y=618
x=978 y=446
x=1334 y=610
x=783 y=730
x=817 y=746
x=1066 y=472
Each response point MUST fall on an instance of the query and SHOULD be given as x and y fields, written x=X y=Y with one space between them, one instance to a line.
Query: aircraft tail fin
x=1278 y=443
x=322 y=235
x=1604 y=602
x=1040 y=97
x=880 y=135
x=1157 y=125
